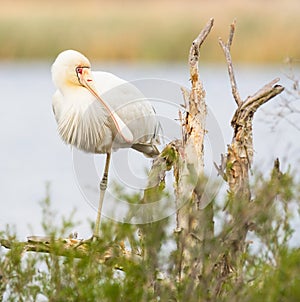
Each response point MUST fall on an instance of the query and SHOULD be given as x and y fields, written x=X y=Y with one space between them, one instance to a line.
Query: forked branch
x=261 y=96
x=239 y=157
x=226 y=48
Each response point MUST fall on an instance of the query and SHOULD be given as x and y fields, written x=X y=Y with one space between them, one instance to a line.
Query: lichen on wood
x=194 y=224
x=236 y=164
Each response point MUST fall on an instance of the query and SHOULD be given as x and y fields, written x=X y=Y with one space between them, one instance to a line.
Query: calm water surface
x=33 y=154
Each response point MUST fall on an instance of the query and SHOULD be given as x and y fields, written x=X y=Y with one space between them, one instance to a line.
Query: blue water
x=33 y=154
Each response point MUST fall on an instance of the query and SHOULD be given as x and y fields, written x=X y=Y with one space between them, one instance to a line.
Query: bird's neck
x=68 y=88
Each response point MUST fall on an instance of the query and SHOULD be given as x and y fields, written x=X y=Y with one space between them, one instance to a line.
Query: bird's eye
x=79 y=70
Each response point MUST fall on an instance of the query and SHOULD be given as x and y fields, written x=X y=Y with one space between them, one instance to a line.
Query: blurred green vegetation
x=268 y=269
x=267 y=31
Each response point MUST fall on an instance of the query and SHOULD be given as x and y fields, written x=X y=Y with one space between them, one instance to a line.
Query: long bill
x=122 y=129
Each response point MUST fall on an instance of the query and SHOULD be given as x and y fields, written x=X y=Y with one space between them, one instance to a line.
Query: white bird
x=98 y=112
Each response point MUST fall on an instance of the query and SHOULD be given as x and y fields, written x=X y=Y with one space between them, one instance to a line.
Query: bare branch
x=291 y=123
x=288 y=109
x=226 y=50
x=221 y=168
x=78 y=248
x=240 y=154
x=231 y=33
x=195 y=51
x=252 y=103
x=46 y=245
x=263 y=95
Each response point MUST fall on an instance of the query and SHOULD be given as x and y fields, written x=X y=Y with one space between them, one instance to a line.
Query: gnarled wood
x=240 y=154
x=194 y=224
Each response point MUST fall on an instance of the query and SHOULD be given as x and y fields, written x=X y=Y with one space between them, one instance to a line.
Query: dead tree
x=236 y=165
x=194 y=223
x=194 y=231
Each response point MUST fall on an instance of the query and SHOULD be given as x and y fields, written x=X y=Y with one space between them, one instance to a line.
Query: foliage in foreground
x=267 y=270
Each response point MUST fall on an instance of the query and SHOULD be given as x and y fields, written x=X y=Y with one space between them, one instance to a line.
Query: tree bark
x=77 y=248
x=237 y=163
x=194 y=224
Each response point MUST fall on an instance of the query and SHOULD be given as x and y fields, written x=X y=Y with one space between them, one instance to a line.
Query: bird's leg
x=103 y=186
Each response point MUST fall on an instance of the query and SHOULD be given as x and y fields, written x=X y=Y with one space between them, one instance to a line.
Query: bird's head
x=71 y=68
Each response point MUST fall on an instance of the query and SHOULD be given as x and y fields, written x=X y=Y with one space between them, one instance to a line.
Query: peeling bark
x=239 y=156
x=194 y=232
x=194 y=224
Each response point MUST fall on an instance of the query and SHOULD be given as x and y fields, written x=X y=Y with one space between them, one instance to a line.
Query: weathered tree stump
x=236 y=164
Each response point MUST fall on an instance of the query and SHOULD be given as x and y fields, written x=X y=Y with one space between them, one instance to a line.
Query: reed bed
x=267 y=31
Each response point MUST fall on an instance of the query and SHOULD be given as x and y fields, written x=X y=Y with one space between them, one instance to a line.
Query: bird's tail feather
x=149 y=150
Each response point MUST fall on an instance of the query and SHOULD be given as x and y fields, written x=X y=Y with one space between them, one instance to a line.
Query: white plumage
x=85 y=123
x=98 y=112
